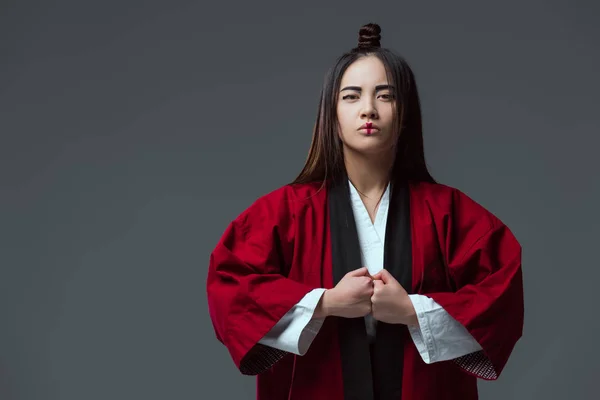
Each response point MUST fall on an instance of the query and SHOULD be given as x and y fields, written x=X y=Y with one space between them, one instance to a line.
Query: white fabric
x=438 y=337
x=296 y=330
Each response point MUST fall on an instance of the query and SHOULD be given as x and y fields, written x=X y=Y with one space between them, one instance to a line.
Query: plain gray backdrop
x=132 y=132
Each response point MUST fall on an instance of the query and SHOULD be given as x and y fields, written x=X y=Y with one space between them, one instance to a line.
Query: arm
x=484 y=263
x=247 y=290
x=295 y=332
x=438 y=336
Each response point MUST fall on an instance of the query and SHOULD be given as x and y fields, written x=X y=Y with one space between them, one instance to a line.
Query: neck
x=370 y=174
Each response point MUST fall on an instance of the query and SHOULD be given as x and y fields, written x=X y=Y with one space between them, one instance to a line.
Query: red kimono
x=439 y=243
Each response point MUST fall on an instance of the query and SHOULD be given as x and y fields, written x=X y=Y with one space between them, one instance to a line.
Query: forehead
x=364 y=72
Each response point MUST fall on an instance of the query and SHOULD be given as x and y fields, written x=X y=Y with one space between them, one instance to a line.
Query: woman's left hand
x=390 y=302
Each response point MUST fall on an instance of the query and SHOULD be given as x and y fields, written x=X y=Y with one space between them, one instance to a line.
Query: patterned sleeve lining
x=478 y=364
x=260 y=359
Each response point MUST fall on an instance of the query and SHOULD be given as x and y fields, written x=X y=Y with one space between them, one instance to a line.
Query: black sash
x=371 y=372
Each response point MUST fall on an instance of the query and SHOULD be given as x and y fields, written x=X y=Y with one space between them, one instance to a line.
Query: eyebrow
x=377 y=88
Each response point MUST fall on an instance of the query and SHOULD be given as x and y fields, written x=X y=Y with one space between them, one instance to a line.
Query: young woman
x=364 y=278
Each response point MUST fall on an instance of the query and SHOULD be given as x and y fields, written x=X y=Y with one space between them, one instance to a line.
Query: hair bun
x=369 y=36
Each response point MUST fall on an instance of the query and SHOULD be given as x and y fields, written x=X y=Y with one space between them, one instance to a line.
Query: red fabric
x=278 y=250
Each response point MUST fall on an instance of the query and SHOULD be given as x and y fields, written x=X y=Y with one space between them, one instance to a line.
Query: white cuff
x=439 y=337
x=297 y=329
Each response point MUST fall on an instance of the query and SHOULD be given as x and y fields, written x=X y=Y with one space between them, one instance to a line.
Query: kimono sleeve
x=483 y=258
x=247 y=290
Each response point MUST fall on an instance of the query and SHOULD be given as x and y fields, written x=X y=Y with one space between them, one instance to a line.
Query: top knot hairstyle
x=325 y=158
x=369 y=36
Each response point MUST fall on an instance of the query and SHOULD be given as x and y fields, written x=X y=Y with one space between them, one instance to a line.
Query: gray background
x=132 y=132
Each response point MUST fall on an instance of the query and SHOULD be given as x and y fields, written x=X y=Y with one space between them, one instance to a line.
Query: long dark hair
x=325 y=158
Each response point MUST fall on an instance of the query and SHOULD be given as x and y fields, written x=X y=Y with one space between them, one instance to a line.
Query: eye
x=350 y=96
x=388 y=96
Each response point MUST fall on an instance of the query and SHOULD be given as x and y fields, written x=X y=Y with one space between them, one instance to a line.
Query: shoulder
x=458 y=217
x=454 y=203
x=290 y=195
x=282 y=203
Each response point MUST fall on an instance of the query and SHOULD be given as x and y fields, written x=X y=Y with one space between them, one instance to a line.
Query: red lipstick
x=370 y=127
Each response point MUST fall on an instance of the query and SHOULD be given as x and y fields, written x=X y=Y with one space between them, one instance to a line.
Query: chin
x=369 y=146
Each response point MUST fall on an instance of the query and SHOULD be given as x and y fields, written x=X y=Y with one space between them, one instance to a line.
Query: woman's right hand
x=350 y=298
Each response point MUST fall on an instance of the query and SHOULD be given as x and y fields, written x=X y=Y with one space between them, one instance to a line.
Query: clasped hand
x=358 y=294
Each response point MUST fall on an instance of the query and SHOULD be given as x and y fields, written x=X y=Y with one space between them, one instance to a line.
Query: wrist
x=324 y=307
x=411 y=315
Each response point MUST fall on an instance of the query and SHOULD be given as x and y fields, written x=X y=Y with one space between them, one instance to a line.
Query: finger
x=377 y=288
x=367 y=281
x=359 y=272
x=386 y=277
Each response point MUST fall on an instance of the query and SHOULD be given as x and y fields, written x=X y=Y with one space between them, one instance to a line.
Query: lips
x=369 y=125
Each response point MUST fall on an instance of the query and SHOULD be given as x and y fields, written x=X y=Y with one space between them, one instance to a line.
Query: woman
x=364 y=278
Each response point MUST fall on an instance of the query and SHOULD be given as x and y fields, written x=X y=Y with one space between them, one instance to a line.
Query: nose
x=369 y=111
